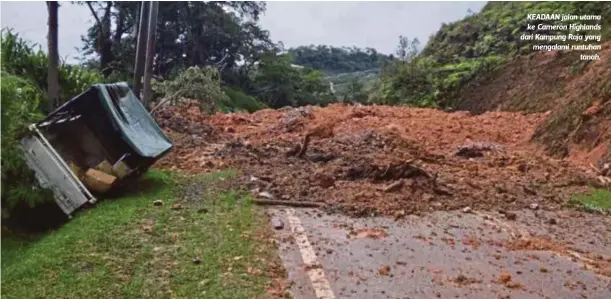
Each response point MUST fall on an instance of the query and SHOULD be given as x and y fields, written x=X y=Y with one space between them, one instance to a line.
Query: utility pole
x=53 y=71
x=150 y=53
x=141 y=47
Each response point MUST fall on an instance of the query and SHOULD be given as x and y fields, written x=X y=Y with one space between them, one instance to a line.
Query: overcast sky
x=362 y=24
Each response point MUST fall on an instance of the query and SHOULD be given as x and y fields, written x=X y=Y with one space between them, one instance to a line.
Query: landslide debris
x=379 y=159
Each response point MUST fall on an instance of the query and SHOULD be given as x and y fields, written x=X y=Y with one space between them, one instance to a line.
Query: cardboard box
x=105 y=167
x=121 y=170
x=98 y=181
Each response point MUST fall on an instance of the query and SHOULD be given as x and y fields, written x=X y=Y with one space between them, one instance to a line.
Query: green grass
x=129 y=248
x=597 y=200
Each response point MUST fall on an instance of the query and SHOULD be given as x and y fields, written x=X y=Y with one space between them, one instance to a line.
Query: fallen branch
x=598 y=171
x=394 y=186
x=599 y=136
x=304 y=146
x=163 y=101
x=291 y=203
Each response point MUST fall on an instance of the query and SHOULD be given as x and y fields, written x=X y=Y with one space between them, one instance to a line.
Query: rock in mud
x=324 y=180
x=523 y=167
x=467 y=210
x=504 y=277
x=511 y=216
x=476 y=149
x=384 y=270
x=277 y=223
x=266 y=195
x=534 y=206
x=529 y=190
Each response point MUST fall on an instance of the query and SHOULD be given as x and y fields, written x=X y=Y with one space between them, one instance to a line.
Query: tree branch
x=95 y=15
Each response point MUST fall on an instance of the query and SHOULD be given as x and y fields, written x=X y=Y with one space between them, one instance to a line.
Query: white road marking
x=321 y=285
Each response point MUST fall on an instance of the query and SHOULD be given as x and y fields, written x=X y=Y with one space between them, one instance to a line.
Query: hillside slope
x=580 y=118
x=519 y=79
x=535 y=83
x=496 y=30
x=471 y=51
x=561 y=84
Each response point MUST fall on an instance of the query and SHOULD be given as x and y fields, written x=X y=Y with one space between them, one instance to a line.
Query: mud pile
x=379 y=159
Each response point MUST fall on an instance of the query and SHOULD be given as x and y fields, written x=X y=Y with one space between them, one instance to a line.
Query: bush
x=238 y=100
x=425 y=82
x=24 y=101
x=201 y=84
x=20 y=101
x=22 y=59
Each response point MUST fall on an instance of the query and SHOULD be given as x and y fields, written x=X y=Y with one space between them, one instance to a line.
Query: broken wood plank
x=291 y=203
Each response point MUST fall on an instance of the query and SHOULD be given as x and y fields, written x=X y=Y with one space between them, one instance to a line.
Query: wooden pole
x=141 y=47
x=53 y=72
x=150 y=53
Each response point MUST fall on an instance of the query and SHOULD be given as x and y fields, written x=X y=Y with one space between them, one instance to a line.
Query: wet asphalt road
x=441 y=255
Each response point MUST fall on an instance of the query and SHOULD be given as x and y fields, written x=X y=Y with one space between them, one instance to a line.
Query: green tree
x=190 y=33
x=355 y=92
x=337 y=60
x=279 y=83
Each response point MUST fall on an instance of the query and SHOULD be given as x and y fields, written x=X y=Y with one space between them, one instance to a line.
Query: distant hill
x=334 y=60
x=342 y=65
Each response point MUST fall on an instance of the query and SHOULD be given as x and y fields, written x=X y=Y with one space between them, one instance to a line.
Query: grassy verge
x=201 y=243
x=597 y=200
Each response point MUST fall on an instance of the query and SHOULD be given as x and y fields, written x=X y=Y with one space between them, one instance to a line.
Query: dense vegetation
x=333 y=60
x=24 y=72
x=220 y=35
x=468 y=50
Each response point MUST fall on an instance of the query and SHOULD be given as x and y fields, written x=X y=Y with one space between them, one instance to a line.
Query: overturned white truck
x=98 y=140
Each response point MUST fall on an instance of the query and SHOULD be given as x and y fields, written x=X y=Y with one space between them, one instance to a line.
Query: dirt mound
x=381 y=159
